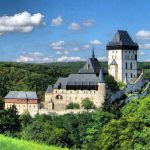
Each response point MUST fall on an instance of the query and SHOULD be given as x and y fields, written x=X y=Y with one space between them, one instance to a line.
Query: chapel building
x=87 y=83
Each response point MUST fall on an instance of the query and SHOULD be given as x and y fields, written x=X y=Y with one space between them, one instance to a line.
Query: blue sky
x=65 y=30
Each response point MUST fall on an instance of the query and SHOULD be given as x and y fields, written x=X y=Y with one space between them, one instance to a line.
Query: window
x=88 y=66
x=131 y=75
x=135 y=57
x=126 y=65
x=126 y=75
x=131 y=65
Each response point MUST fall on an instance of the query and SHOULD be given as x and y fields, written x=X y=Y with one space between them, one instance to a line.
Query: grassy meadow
x=7 y=143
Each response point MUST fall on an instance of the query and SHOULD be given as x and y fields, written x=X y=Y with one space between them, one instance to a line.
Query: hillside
x=7 y=143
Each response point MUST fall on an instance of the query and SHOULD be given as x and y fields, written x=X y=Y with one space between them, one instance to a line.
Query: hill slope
x=7 y=143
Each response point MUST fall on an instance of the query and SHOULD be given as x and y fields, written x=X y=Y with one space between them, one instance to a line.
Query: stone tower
x=122 y=57
x=101 y=88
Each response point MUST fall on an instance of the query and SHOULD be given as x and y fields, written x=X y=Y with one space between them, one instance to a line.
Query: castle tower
x=122 y=57
x=101 y=88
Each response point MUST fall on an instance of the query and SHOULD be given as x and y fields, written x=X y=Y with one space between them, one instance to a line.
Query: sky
x=43 y=31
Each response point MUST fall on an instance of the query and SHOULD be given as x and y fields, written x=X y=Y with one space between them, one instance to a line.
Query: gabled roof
x=49 y=89
x=91 y=66
x=113 y=62
x=21 y=95
x=61 y=83
x=122 y=40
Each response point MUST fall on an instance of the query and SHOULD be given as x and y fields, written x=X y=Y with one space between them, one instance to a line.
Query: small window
x=126 y=75
x=126 y=65
x=131 y=75
x=131 y=65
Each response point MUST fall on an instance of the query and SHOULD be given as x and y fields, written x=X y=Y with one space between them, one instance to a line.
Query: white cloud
x=75 y=49
x=86 y=46
x=69 y=59
x=34 y=57
x=143 y=34
x=95 y=42
x=57 y=21
x=58 y=52
x=47 y=60
x=74 y=26
x=66 y=52
x=89 y=22
x=148 y=60
x=145 y=46
x=21 y=22
x=141 y=53
x=103 y=58
x=59 y=45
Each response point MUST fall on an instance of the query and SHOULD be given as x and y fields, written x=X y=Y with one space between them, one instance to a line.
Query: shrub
x=87 y=104
x=73 y=106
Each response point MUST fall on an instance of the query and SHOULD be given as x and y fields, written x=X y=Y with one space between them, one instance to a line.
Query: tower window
x=135 y=57
x=131 y=75
x=126 y=65
x=131 y=65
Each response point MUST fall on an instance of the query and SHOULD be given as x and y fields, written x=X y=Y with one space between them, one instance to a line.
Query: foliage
x=73 y=106
x=131 y=130
x=26 y=119
x=71 y=130
x=121 y=85
x=112 y=83
x=7 y=143
x=87 y=104
x=9 y=121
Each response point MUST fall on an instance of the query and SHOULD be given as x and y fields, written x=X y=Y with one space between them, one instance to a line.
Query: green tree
x=73 y=106
x=87 y=104
x=26 y=119
x=9 y=121
x=111 y=83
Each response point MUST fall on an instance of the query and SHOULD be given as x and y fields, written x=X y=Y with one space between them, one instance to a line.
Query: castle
x=89 y=81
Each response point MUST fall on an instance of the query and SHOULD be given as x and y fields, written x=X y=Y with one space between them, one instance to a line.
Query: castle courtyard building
x=24 y=101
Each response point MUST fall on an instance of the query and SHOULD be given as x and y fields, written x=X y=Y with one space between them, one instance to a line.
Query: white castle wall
x=138 y=84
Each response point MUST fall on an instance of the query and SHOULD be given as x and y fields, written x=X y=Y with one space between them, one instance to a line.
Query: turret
x=101 y=87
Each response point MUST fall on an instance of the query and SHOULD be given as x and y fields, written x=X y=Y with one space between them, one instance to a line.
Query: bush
x=87 y=104
x=73 y=106
x=112 y=83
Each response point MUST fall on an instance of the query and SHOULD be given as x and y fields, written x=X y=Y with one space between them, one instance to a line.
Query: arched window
x=59 y=97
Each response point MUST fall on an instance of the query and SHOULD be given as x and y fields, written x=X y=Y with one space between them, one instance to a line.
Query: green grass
x=7 y=143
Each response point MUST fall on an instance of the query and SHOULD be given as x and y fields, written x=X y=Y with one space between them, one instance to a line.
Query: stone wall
x=132 y=87
x=62 y=112
x=137 y=96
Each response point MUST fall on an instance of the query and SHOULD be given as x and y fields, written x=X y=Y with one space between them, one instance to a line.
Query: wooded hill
x=36 y=77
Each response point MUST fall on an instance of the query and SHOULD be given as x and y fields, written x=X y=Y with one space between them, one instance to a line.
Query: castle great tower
x=122 y=57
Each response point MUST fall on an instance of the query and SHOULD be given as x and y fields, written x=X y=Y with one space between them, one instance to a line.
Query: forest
x=37 y=77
